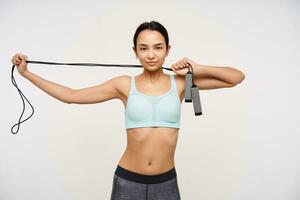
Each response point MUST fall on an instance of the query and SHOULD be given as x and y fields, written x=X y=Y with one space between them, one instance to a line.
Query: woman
x=152 y=102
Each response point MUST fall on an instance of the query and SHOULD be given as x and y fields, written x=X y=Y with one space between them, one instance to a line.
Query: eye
x=142 y=49
x=158 y=47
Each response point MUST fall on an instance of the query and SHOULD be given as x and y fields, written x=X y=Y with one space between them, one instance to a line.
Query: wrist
x=25 y=73
x=199 y=70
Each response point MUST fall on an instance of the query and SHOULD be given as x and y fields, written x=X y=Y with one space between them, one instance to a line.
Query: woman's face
x=151 y=49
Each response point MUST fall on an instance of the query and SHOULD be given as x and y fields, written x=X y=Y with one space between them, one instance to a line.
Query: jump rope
x=191 y=90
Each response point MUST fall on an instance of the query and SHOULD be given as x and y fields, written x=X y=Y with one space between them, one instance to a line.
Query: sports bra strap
x=132 y=85
x=173 y=82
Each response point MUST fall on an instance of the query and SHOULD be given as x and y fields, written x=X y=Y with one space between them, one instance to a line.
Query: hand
x=20 y=61
x=181 y=67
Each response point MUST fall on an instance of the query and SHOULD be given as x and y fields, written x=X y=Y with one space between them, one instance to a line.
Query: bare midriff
x=150 y=150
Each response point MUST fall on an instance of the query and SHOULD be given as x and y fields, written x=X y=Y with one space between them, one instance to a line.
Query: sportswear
x=153 y=110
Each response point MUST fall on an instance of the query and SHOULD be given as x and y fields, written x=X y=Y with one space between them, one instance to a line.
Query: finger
x=178 y=64
x=185 y=61
x=182 y=64
x=190 y=62
x=15 y=58
x=18 y=57
x=22 y=57
x=175 y=66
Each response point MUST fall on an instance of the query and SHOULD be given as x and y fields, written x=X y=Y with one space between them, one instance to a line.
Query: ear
x=168 y=50
x=135 y=52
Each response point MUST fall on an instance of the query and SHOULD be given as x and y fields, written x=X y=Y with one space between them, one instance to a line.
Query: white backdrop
x=245 y=146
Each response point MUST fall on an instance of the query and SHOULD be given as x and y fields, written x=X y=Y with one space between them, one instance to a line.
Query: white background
x=245 y=146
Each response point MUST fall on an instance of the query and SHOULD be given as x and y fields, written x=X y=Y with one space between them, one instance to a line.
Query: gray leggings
x=128 y=185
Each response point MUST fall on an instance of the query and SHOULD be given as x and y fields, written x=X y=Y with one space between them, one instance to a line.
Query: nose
x=151 y=54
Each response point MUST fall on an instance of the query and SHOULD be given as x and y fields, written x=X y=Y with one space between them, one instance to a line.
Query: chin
x=156 y=66
x=152 y=68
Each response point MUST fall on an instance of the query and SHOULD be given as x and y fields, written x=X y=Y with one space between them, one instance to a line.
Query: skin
x=150 y=150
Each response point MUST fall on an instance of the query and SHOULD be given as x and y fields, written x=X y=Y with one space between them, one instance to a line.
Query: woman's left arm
x=210 y=77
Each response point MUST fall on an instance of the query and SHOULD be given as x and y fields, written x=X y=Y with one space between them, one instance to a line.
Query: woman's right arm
x=96 y=94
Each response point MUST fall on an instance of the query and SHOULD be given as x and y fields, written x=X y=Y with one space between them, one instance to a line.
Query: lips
x=151 y=63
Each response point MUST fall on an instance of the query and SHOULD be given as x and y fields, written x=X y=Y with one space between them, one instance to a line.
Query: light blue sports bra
x=153 y=111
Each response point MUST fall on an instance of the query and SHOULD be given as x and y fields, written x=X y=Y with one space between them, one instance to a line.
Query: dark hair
x=154 y=26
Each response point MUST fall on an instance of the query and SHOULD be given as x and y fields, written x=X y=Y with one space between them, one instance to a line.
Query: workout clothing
x=153 y=110
x=128 y=185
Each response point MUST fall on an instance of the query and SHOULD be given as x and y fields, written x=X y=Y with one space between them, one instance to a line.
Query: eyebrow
x=147 y=45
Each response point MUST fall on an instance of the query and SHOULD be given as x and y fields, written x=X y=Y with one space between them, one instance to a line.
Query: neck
x=153 y=76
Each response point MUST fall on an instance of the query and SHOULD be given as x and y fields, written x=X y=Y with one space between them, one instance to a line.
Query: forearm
x=226 y=74
x=55 y=90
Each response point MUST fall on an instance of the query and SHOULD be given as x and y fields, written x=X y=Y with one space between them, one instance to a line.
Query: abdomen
x=150 y=150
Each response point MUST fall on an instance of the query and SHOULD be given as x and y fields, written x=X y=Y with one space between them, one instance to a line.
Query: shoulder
x=179 y=78
x=122 y=84
x=123 y=78
x=120 y=80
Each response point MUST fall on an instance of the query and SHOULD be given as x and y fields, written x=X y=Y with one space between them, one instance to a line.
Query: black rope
x=22 y=97
x=55 y=63
x=87 y=64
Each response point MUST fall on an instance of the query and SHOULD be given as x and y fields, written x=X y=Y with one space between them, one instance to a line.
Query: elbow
x=67 y=102
x=238 y=79
x=69 y=98
x=242 y=76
